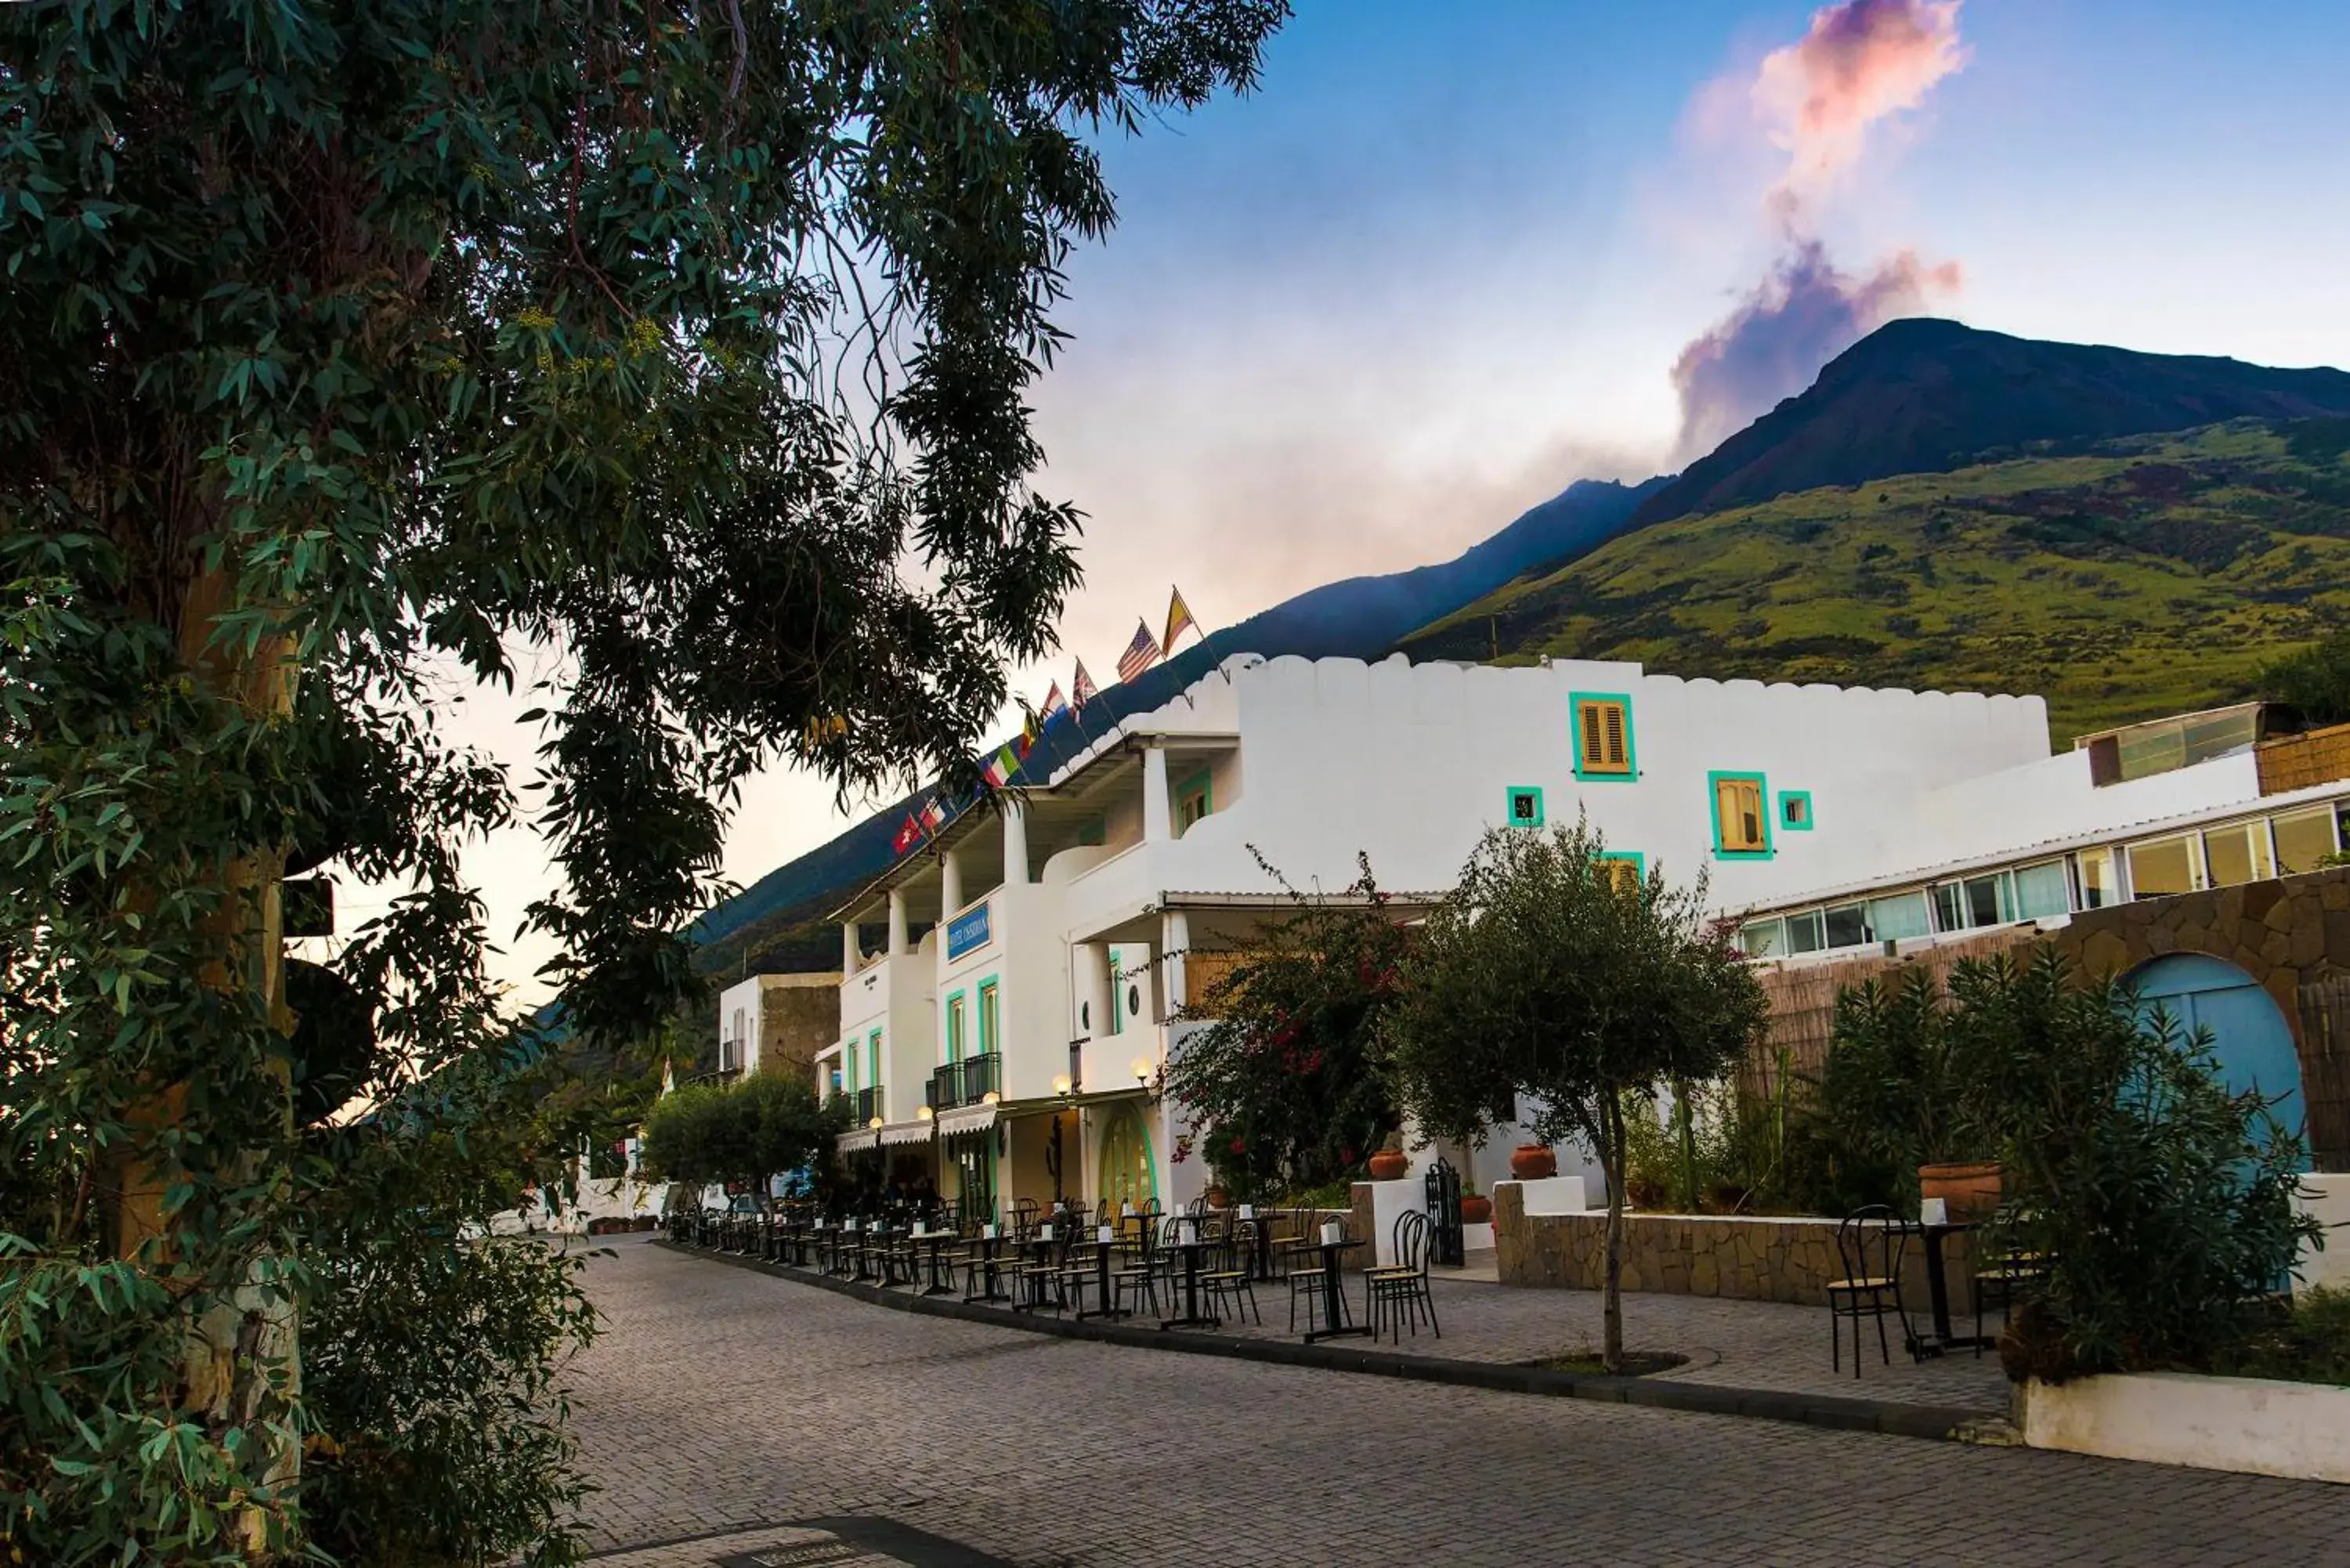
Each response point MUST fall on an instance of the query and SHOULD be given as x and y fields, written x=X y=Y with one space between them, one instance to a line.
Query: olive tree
x=350 y=353
x=1548 y=974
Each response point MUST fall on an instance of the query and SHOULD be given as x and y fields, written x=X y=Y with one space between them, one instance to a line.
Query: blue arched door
x=2249 y=1035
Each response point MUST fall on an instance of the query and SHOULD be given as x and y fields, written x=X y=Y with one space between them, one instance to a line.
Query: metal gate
x=1445 y=1239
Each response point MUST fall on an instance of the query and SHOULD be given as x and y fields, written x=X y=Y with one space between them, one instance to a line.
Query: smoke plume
x=1819 y=100
x=1796 y=320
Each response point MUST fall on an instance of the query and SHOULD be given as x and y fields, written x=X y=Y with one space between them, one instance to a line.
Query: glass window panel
x=2234 y=856
x=2163 y=867
x=1947 y=914
x=2100 y=883
x=1761 y=938
x=1805 y=934
x=2041 y=891
x=1899 y=917
x=1738 y=814
x=1983 y=900
x=2302 y=840
x=1847 y=926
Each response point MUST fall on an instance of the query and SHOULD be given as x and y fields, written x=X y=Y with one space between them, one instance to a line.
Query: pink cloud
x=1860 y=62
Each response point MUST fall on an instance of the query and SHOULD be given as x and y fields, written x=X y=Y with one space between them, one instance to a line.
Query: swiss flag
x=910 y=833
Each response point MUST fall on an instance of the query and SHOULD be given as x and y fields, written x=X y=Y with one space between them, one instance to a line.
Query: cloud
x=1796 y=320
x=1860 y=63
x=1819 y=100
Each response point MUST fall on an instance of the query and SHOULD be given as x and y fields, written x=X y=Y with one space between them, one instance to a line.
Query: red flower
x=1240 y=1146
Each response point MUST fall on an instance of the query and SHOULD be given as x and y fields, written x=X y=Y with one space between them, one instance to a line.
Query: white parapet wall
x=2326 y=1196
x=1555 y=1195
x=2253 y=1425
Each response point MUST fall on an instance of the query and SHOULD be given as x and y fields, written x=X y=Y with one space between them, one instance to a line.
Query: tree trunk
x=1611 y=1297
x=231 y=1350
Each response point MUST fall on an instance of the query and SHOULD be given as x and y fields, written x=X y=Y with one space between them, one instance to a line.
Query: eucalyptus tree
x=347 y=346
x=1546 y=977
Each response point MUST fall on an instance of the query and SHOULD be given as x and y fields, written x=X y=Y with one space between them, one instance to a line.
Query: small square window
x=1525 y=806
x=1795 y=810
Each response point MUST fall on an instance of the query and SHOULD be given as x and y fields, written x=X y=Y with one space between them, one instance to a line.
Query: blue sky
x=1442 y=264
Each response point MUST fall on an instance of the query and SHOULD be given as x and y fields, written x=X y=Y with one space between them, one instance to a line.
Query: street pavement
x=730 y=1417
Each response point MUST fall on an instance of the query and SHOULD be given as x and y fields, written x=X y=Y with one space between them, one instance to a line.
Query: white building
x=1022 y=1033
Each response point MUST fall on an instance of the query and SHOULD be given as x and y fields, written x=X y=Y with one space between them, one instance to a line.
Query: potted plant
x=1476 y=1209
x=1390 y=1165
x=1533 y=1162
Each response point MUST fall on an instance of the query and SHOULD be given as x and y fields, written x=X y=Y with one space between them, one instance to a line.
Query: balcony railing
x=868 y=1103
x=967 y=1082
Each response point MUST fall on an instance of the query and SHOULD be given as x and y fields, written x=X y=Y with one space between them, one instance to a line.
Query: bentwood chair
x=1305 y=1275
x=1871 y=1244
x=1227 y=1277
x=1136 y=1276
x=1400 y=1288
x=2002 y=1277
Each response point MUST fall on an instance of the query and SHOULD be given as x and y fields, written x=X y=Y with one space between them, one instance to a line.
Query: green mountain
x=1926 y=395
x=2141 y=575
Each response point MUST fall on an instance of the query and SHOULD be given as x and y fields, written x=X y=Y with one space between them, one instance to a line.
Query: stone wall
x=2290 y=935
x=1757 y=1258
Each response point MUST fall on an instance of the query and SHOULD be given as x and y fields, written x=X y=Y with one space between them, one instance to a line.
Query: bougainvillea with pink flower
x=1280 y=1084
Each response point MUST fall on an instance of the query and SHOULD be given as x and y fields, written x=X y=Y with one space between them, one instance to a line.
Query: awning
x=906 y=1132
x=857 y=1141
x=966 y=1119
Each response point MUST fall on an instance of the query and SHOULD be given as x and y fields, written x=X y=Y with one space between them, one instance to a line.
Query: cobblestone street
x=732 y=1418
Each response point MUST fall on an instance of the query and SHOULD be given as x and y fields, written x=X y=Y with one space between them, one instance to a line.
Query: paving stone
x=721 y=1400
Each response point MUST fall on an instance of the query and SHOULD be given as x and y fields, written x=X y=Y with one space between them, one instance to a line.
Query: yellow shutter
x=1738 y=813
x=1601 y=727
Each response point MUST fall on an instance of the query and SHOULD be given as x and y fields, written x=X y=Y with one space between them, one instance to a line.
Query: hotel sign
x=967 y=932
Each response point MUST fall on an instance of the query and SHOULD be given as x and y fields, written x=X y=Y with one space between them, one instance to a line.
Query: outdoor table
x=1101 y=1251
x=1334 y=1296
x=935 y=1243
x=1192 y=1316
x=983 y=1271
x=1938 y=1290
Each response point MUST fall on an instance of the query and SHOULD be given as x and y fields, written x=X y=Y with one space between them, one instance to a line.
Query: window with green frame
x=954 y=1027
x=873 y=1059
x=1117 y=1007
x=1624 y=869
x=990 y=1018
x=1741 y=821
x=1193 y=800
x=1525 y=808
x=848 y=1063
x=1603 y=735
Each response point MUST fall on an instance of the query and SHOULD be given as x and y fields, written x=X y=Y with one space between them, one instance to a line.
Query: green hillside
x=2150 y=574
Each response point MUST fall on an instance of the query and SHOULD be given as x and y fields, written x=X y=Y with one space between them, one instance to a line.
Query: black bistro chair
x=1227 y=1277
x=1871 y=1244
x=1136 y=1275
x=1399 y=1288
x=1305 y=1275
x=2002 y=1276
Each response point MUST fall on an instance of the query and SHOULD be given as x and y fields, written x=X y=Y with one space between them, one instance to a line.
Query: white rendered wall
x=1413 y=762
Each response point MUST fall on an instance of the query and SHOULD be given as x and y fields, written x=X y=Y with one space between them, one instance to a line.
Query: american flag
x=1138 y=653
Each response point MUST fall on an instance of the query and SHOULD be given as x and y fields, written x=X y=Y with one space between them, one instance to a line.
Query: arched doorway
x=1125 y=1158
x=2249 y=1037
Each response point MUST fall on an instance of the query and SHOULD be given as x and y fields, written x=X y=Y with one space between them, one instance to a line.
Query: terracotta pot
x=1390 y=1165
x=1218 y=1199
x=1476 y=1209
x=1968 y=1188
x=1533 y=1162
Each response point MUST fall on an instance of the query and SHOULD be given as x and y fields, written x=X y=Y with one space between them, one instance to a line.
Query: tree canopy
x=346 y=351
x=1547 y=975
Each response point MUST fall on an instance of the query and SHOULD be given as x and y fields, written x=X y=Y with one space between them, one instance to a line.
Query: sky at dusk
x=1450 y=258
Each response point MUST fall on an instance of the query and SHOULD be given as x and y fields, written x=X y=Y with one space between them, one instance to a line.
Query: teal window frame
x=990 y=990
x=1201 y=783
x=1117 y=1001
x=1761 y=783
x=848 y=1055
x=1575 y=701
x=1811 y=813
x=1510 y=806
x=873 y=1058
x=954 y=1041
